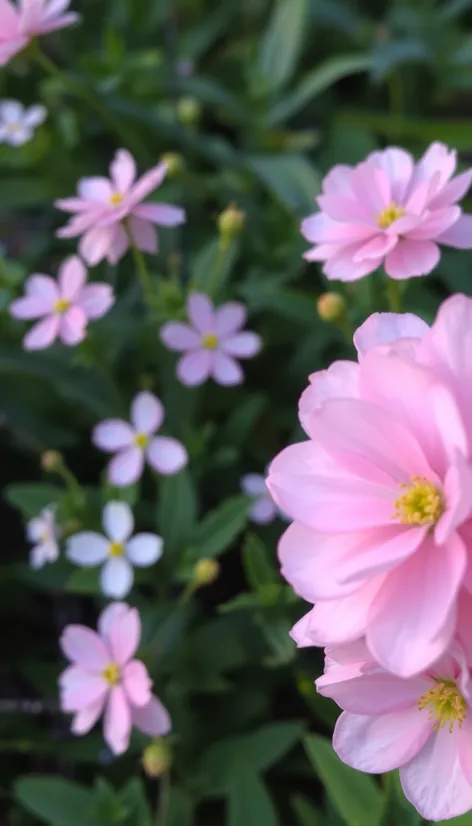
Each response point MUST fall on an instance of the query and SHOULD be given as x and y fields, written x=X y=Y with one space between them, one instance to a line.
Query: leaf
x=352 y=793
x=269 y=743
x=57 y=801
x=463 y=820
x=136 y=805
x=219 y=528
x=386 y=57
x=282 y=42
x=32 y=498
x=307 y=813
x=316 y=82
x=177 y=511
x=258 y=565
x=209 y=270
x=84 y=581
x=290 y=177
x=180 y=811
x=249 y=801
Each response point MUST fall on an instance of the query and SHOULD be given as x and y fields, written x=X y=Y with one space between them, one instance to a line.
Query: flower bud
x=331 y=307
x=205 y=572
x=230 y=223
x=175 y=163
x=156 y=759
x=51 y=460
x=189 y=111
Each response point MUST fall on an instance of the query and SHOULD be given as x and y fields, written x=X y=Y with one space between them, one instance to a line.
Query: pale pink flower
x=381 y=493
x=43 y=533
x=17 y=122
x=65 y=305
x=391 y=211
x=136 y=443
x=109 y=212
x=104 y=678
x=421 y=725
x=20 y=23
x=264 y=509
x=211 y=343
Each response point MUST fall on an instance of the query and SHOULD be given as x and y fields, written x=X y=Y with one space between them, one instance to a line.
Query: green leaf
x=32 y=498
x=59 y=802
x=135 y=803
x=354 y=794
x=291 y=179
x=219 y=528
x=180 y=811
x=307 y=814
x=269 y=743
x=210 y=270
x=282 y=42
x=177 y=511
x=84 y=581
x=249 y=801
x=258 y=563
x=463 y=820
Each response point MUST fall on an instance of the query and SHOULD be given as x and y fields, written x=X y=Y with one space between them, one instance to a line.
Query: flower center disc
x=210 y=341
x=421 y=504
x=115 y=549
x=61 y=305
x=111 y=674
x=115 y=199
x=388 y=215
x=445 y=703
x=141 y=440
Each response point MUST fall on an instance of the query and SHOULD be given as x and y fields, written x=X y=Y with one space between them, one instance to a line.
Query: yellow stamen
x=61 y=305
x=445 y=703
x=421 y=504
x=141 y=440
x=14 y=127
x=388 y=215
x=115 y=549
x=111 y=674
x=115 y=199
x=210 y=341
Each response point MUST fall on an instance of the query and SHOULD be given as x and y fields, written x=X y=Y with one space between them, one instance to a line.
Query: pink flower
x=381 y=493
x=136 y=442
x=65 y=306
x=211 y=342
x=104 y=678
x=422 y=725
x=18 y=24
x=388 y=210
x=108 y=213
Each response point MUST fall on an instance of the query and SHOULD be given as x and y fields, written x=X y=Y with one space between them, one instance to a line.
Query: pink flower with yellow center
x=19 y=23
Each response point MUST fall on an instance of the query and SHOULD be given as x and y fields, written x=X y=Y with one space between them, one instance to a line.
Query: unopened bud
x=206 y=571
x=175 y=163
x=231 y=223
x=156 y=759
x=189 y=111
x=331 y=307
x=51 y=460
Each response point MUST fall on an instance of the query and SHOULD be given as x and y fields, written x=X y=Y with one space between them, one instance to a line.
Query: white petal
x=116 y=577
x=35 y=529
x=118 y=522
x=87 y=549
x=35 y=116
x=147 y=413
x=144 y=549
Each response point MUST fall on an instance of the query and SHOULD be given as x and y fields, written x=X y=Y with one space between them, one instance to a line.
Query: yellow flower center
x=141 y=440
x=210 y=341
x=389 y=215
x=111 y=674
x=14 y=127
x=115 y=549
x=61 y=305
x=421 y=504
x=115 y=199
x=445 y=703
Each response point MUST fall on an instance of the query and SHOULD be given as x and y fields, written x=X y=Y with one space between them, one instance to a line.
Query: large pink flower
x=388 y=210
x=18 y=24
x=105 y=678
x=136 y=442
x=108 y=213
x=422 y=725
x=65 y=306
x=381 y=493
x=212 y=343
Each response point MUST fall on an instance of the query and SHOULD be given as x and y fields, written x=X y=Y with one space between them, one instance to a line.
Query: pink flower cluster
x=19 y=24
x=381 y=544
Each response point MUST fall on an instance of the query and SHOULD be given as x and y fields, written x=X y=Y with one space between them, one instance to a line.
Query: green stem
x=216 y=273
x=188 y=591
x=142 y=270
x=394 y=296
x=164 y=796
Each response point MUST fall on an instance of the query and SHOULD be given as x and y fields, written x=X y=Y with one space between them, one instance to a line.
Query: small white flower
x=117 y=551
x=43 y=533
x=17 y=123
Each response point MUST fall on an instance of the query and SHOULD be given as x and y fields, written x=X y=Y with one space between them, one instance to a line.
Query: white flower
x=118 y=551
x=17 y=123
x=43 y=533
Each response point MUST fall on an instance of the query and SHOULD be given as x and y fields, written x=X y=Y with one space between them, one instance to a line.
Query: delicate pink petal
x=72 y=204
x=195 y=367
x=81 y=688
x=72 y=277
x=118 y=521
x=123 y=171
x=399 y=166
x=28 y=308
x=43 y=288
x=126 y=467
x=148 y=183
x=153 y=719
x=113 y=434
x=263 y=510
x=459 y=235
x=147 y=413
x=200 y=312
x=453 y=191
x=372 y=693
x=458 y=495
x=226 y=370
x=124 y=634
x=144 y=234
x=95 y=189
x=177 y=336
x=384 y=328
x=229 y=318
x=95 y=300
x=375 y=248
x=436 y=223
x=117 y=722
x=372 y=188
x=412 y=258
x=96 y=244
x=83 y=646
x=341 y=265
x=119 y=245
x=86 y=718
x=243 y=345
x=81 y=223
x=136 y=683
x=72 y=326
x=108 y=617
x=321 y=229
x=165 y=215
x=43 y=334
x=166 y=455
x=340 y=380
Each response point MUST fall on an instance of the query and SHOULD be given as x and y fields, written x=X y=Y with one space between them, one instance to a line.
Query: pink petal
x=81 y=688
x=9 y=17
x=340 y=380
x=43 y=334
x=243 y=345
x=166 y=455
x=72 y=204
x=437 y=160
x=29 y=308
x=434 y=781
x=144 y=234
x=418 y=197
x=147 y=413
x=43 y=288
x=341 y=266
x=226 y=370
x=117 y=722
x=148 y=183
x=372 y=693
x=136 y=683
x=177 y=336
x=72 y=277
x=399 y=166
x=384 y=328
x=371 y=186
x=165 y=215
x=123 y=171
x=229 y=318
x=86 y=718
x=195 y=367
x=113 y=434
x=108 y=617
x=459 y=235
x=124 y=634
x=381 y=744
x=263 y=510
x=419 y=594
x=97 y=244
x=253 y=484
x=458 y=495
x=200 y=312
x=321 y=229
x=464 y=743
x=119 y=245
x=81 y=223
x=375 y=248
x=453 y=191
x=95 y=189
x=344 y=209
x=83 y=646
x=95 y=300
x=436 y=223
x=337 y=181
x=126 y=467
x=412 y=258
x=153 y=719
x=72 y=326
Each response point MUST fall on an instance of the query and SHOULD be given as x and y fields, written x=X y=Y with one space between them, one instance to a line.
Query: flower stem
x=142 y=270
x=164 y=795
x=217 y=270
x=394 y=296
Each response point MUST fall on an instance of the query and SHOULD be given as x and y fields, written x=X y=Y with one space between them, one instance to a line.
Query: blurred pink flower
x=264 y=509
x=20 y=23
x=421 y=725
x=388 y=210
x=65 y=305
x=104 y=678
x=381 y=493
x=211 y=342
x=43 y=533
x=136 y=442
x=110 y=212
